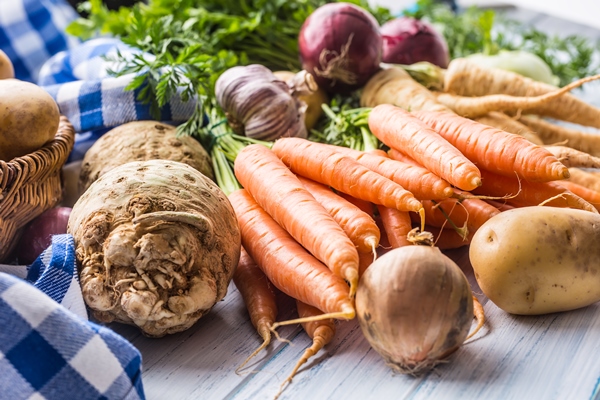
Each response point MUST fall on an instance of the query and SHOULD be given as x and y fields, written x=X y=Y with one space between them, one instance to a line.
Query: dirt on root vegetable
x=157 y=243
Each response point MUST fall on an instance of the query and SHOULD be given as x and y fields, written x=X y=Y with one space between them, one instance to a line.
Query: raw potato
x=538 y=260
x=29 y=118
x=7 y=70
x=157 y=243
x=140 y=141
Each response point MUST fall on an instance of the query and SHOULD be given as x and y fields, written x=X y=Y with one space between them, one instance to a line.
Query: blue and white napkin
x=48 y=348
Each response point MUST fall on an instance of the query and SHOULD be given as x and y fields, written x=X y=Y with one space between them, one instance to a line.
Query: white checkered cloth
x=31 y=31
x=48 y=349
x=95 y=102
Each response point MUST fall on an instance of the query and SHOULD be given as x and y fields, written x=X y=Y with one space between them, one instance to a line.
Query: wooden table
x=556 y=356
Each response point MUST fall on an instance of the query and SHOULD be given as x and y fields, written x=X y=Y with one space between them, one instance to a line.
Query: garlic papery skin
x=258 y=105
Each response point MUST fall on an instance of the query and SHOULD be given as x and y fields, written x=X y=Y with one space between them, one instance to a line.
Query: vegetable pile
x=348 y=152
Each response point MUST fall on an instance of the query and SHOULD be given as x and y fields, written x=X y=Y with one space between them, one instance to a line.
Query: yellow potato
x=7 y=70
x=538 y=260
x=29 y=118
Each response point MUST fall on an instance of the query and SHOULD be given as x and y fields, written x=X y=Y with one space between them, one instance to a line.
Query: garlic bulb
x=415 y=307
x=259 y=105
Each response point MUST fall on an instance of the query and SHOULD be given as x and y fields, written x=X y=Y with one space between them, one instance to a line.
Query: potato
x=538 y=260
x=7 y=70
x=29 y=118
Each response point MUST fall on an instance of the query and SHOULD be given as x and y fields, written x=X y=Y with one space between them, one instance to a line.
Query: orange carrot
x=422 y=183
x=363 y=205
x=400 y=156
x=320 y=331
x=259 y=298
x=447 y=239
x=473 y=107
x=397 y=224
x=522 y=193
x=281 y=194
x=366 y=259
x=466 y=216
x=499 y=205
x=401 y=130
x=321 y=163
x=495 y=150
x=591 y=196
x=286 y=263
x=358 y=225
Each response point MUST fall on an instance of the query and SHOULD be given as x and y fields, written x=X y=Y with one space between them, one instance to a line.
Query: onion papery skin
x=415 y=307
x=329 y=28
x=407 y=40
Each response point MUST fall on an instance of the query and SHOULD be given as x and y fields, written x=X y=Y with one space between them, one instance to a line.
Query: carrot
x=495 y=150
x=279 y=192
x=399 y=156
x=584 y=178
x=286 y=263
x=363 y=205
x=321 y=332
x=522 y=193
x=366 y=259
x=396 y=224
x=466 y=78
x=506 y=123
x=422 y=183
x=574 y=158
x=358 y=225
x=447 y=239
x=550 y=133
x=321 y=163
x=591 y=196
x=473 y=107
x=499 y=205
x=395 y=86
x=401 y=130
x=465 y=216
x=259 y=298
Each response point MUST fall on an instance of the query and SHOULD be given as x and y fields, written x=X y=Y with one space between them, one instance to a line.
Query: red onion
x=407 y=40
x=37 y=235
x=340 y=45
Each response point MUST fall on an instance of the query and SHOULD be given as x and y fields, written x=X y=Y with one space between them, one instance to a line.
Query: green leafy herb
x=477 y=30
x=194 y=41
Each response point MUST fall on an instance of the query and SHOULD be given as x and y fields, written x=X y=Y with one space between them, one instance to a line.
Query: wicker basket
x=31 y=184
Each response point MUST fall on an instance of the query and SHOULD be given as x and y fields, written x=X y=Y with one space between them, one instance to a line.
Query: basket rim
x=57 y=149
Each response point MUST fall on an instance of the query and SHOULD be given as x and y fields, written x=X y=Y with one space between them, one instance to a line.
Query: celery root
x=157 y=243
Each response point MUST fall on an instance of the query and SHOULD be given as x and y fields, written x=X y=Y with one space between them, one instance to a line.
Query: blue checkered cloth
x=48 y=349
x=32 y=31
x=94 y=101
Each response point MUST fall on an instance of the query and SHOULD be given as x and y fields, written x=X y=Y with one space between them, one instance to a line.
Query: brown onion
x=415 y=307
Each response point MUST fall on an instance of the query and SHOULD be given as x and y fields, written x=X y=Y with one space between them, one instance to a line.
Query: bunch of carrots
x=313 y=216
